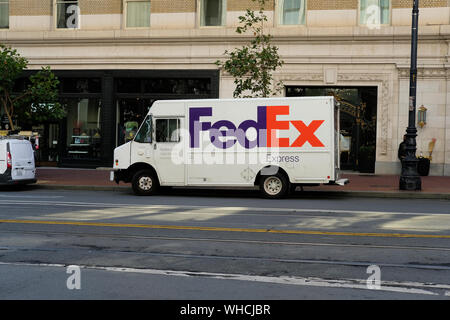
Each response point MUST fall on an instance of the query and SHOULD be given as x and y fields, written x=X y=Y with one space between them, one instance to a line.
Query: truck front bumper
x=117 y=176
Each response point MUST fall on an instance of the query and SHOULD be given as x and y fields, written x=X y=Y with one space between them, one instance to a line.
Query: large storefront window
x=358 y=119
x=201 y=86
x=135 y=96
x=130 y=114
x=104 y=109
x=84 y=133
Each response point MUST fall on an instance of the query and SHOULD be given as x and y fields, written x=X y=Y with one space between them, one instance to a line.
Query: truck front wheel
x=274 y=186
x=144 y=183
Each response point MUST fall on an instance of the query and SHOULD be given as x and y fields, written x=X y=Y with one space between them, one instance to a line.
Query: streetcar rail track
x=240 y=241
x=92 y=250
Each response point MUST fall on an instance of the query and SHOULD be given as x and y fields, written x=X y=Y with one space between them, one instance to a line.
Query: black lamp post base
x=410 y=183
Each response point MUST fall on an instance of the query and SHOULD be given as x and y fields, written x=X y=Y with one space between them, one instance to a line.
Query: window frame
x=200 y=10
x=149 y=118
x=125 y=15
x=55 y=15
x=168 y=127
x=381 y=24
x=278 y=16
x=9 y=13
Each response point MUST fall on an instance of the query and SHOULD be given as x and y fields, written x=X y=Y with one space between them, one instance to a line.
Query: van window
x=21 y=150
x=167 y=130
x=145 y=132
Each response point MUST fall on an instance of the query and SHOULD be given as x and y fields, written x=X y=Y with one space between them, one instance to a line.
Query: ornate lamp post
x=410 y=179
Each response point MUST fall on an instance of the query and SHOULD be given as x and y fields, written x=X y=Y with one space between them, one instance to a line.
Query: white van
x=273 y=143
x=17 y=164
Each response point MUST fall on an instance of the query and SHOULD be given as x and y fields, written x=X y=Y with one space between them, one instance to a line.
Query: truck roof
x=180 y=110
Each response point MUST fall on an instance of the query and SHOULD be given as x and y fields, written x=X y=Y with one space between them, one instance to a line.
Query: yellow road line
x=152 y=226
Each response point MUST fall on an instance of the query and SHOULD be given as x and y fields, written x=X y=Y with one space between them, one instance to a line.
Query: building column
x=108 y=119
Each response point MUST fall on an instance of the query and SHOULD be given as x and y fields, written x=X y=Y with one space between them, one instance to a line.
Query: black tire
x=145 y=183
x=274 y=186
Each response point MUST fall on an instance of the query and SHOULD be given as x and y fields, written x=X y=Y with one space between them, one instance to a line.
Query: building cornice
x=221 y=35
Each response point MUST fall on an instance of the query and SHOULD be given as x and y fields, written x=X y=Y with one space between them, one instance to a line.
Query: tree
x=38 y=101
x=252 y=65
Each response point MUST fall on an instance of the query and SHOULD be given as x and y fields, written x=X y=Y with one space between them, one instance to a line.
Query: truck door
x=141 y=149
x=169 y=150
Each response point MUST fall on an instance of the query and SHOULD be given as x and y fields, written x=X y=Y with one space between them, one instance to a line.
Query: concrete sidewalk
x=361 y=185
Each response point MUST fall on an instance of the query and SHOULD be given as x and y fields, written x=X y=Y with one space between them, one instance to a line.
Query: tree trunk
x=5 y=107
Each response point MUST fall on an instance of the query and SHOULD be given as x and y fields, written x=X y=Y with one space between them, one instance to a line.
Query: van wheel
x=144 y=183
x=274 y=186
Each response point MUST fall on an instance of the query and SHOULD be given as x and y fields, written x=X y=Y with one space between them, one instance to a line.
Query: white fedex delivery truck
x=273 y=143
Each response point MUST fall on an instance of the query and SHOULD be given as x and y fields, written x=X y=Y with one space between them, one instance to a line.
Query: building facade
x=115 y=57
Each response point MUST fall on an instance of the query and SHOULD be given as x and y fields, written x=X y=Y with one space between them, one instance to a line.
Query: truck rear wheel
x=274 y=186
x=144 y=183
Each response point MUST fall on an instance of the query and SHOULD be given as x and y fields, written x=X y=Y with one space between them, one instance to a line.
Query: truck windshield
x=144 y=134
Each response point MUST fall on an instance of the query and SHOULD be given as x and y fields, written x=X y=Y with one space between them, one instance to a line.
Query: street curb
x=309 y=193
x=81 y=187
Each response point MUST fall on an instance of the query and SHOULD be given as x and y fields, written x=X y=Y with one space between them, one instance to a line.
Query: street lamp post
x=410 y=179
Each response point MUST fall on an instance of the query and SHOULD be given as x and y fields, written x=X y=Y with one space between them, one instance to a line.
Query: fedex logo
x=266 y=126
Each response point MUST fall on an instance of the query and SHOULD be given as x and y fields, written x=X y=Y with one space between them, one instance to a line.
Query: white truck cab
x=273 y=143
x=17 y=165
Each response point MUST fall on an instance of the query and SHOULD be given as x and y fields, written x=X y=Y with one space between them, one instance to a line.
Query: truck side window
x=167 y=130
x=145 y=132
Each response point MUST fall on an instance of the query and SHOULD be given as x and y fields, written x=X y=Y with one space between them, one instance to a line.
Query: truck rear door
x=22 y=156
x=2 y=157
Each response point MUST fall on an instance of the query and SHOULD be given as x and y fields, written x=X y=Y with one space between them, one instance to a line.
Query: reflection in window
x=83 y=128
x=213 y=12
x=4 y=14
x=178 y=86
x=167 y=130
x=81 y=85
x=138 y=14
x=67 y=14
x=292 y=12
x=130 y=114
x=145 y=132
x=128 y=85
x=374 y=12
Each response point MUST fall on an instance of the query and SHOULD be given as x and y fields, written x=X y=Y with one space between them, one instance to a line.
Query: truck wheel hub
x=145 y=183
x=273 y=185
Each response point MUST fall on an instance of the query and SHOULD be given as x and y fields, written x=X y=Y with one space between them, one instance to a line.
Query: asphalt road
x=203 y=244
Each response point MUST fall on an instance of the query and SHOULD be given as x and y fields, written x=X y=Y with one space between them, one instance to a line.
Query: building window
x=291 y=12
x=213 y=12
x=67 y=14
x=4 y=14
x=137 y=14
x=83 y=128
x=374 y=12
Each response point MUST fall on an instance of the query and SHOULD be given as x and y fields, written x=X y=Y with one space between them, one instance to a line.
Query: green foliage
x=11 y=66
x=252 y=65
x=42 y=103
x=38 y=102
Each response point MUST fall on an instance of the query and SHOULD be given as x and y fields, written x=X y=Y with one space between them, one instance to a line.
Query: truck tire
x=274 y=186
x=144 y=183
